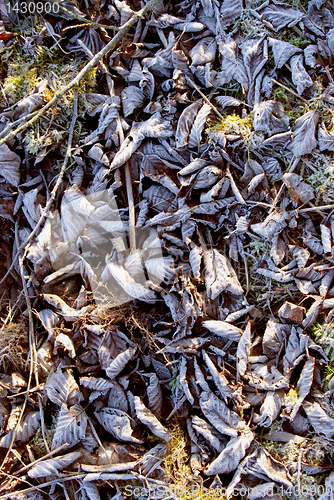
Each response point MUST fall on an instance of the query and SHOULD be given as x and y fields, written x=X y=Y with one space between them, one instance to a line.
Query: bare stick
x=90 y=65
x=193 y=84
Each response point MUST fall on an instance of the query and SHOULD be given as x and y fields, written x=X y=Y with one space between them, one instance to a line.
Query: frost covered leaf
x=185 y=124
x=280 y=17
x=225 y=101
x=64 y=342
x=117 y=423
x=325 y=138
x=270 y=409
x=68 y=313
x=282 y=51
x=183 y=380
x=229 y=11
x=223 y=329
x=204 y=51
x=71 y=426
x=129 y=285
x=219 y=415
x=61 y=388
x=298 y=189
x=209 y=433
x=219 y=378
x=147 y=418
x=9 y=165
x=300 y=76
x=304 y=140
x=24 y=431
x=303 y=387
x=269 y=117
x=91 y=491
x=120 y=362
x=219 y=275
x=154 y=394
x=198 y=125
x=320 y=421
x=228 y=460
x=243 y=351
x=132 y=98
x=53 y=465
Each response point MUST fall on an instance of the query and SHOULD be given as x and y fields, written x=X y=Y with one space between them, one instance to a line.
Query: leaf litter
x=178 y=289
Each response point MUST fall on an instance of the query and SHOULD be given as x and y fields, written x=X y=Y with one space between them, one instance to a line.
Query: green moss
x=23 y=72
x=234 y=124
x=299 y=42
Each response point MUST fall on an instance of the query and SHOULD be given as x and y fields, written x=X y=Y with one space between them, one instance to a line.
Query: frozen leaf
x=117 y=423
x=61 y=388
x=132 y=98
x=320 y=421
x=71 y=426
x=24 y=431
x=300 y=76
x=53 y=465
x=9 y=165
x=223 y=329
x=204 y=51
x=68 y=313
x=304 y=140
x=64 y=342
x=292 y=313
x=269 y=117
x=269 y=410
x=91 y=491
x=281 y=16
x=154 y=394
x=225 y=101
x=129 y=285
x=198 y=125
x=183 y=380
x=298 y=189
x=230 y=10
x=117 y=398
x=152 y=458
x=219 y=275
x=96 y=153
x=282 y=51
x=303 y=388
x=266 y=378
x=147 y=418
x=228 y=460
x=96 y=384
x=325 y=138
x=266 y=465
x=119 y=363
x=243 y=351
x=219 y=415
x=185 y=124
x=209 y=433
x=219 y=378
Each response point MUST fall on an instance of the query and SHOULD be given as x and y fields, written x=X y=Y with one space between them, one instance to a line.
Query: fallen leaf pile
x=212 y=123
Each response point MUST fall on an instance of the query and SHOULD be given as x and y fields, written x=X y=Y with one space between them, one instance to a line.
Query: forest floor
x=167 y=243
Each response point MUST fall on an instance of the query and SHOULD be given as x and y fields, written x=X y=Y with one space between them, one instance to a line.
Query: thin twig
x=90 y=65
x=314 y=209
x=289 y=90
x=48 y=455
x=193 y=84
